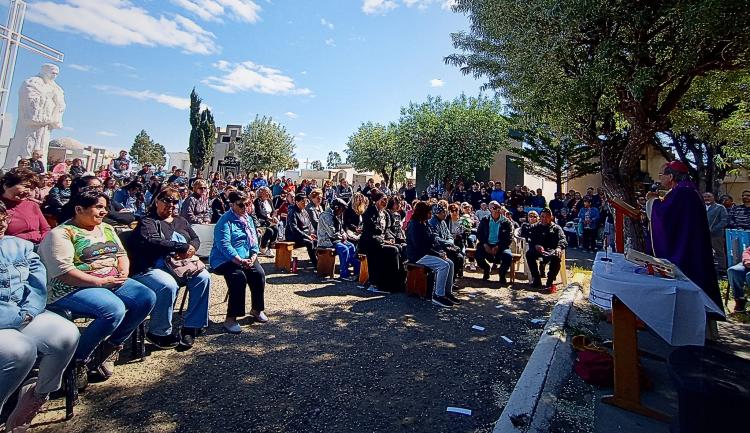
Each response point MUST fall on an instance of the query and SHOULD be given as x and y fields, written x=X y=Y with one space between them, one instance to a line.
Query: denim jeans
x=347 y=256
x=738 y=275
x=166 y=288
x=443 y=273
x=116 y=313
x=48 y=336
x=503 y=257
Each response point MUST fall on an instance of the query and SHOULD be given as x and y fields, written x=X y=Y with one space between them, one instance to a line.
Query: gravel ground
x=332 y=358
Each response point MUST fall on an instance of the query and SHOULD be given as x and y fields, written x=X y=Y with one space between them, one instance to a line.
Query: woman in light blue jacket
x=27 y=330
x=235 y=256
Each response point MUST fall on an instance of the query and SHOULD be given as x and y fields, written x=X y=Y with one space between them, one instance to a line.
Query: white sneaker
x=268 y=252
x=259 y=316
x=374 y=289
x=234 y=328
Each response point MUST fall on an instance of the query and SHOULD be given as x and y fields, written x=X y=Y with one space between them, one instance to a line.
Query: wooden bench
x=417 y=280
x=284 y=255
x=364 y=274
x=326 y=261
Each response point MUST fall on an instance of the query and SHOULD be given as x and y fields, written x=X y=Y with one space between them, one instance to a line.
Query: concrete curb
x=532 y=403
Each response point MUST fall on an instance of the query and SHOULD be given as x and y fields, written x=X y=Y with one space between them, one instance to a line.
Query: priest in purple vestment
x=679 y=229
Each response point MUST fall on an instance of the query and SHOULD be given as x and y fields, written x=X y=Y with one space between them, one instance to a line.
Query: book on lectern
x=661 y=267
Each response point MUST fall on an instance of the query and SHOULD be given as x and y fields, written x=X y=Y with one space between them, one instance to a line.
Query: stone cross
x=11 y=35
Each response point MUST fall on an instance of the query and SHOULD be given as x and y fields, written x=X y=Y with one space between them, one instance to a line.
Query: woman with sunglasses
x=159 y=236
x=235 y=256
x=196 y=209
x=87 y=273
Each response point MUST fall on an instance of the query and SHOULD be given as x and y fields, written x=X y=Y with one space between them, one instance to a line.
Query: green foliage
x=555 y=157
x=333 y=160
x=375 y=147
x=266 y=146
x=453 y=139
x=609 y=71
x=316 y=165
x=710 y=130
x=145 y=150
x=202 y=133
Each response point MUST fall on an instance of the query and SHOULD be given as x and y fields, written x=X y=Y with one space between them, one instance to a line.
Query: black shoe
x=441 y=301
x=187 y=337
x=503 y=282
x=536 y=284
x=163 y=341
x=453 y=298
x=486 y=275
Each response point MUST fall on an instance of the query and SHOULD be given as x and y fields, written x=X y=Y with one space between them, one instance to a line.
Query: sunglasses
x=169 y=201
x=241 y=205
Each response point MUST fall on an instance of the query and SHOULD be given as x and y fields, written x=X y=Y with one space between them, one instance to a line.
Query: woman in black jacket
x=422 y=247
x=383 y=255
x=160 y=237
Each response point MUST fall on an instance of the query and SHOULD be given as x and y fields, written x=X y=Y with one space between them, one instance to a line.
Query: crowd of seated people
x=87 y=227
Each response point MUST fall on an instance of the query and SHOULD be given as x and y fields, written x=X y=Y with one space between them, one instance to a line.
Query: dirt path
x=333 y=358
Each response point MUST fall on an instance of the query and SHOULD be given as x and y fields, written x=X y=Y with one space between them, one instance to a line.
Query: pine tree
x=144 y=150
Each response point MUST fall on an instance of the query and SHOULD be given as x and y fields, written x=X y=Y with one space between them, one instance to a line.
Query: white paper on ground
x=498 y=306
x=478 y=328
x=507 y=340
x=460 y=410
x=537 y=321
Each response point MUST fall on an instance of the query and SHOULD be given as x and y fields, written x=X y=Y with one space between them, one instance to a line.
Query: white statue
x=41 y=103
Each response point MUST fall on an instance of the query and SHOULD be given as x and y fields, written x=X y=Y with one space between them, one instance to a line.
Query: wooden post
x=364 y=275
x=622 y=210
x=283 y=259
x=627 y=373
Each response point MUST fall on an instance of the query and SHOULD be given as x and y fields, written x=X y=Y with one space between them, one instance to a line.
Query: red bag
x=595 y=367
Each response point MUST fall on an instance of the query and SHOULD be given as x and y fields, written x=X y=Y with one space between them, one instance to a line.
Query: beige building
x=67 y=148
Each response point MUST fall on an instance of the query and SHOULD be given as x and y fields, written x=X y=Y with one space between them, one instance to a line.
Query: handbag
x=184 y=268
x=181 y=268
x=593 y=363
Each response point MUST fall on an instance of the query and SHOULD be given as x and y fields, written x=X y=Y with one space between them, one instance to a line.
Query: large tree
x=333 y=160
x=610 y=70
x=453 y=139
x=554 y=156
x=145 y=150
x=375 y=147
x=265 y=145
x=710 y=130
x=202 y=133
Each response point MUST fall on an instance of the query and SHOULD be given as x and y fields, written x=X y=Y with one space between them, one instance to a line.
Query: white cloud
x=326 y=23
x=437 y=82
x=378 y=6
x=214 y=10
x=301 y=134
x=383 y=6
x=291 y=115
x=147 y=95
x=82 y=68
x=121 y=23
x=251 y=77
x=123 y=66
x=330 y=42
x=106 y=134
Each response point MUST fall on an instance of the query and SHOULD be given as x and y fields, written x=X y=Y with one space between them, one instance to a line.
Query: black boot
x=739 y=305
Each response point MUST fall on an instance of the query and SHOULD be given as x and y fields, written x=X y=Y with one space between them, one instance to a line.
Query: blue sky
x=320 y=67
